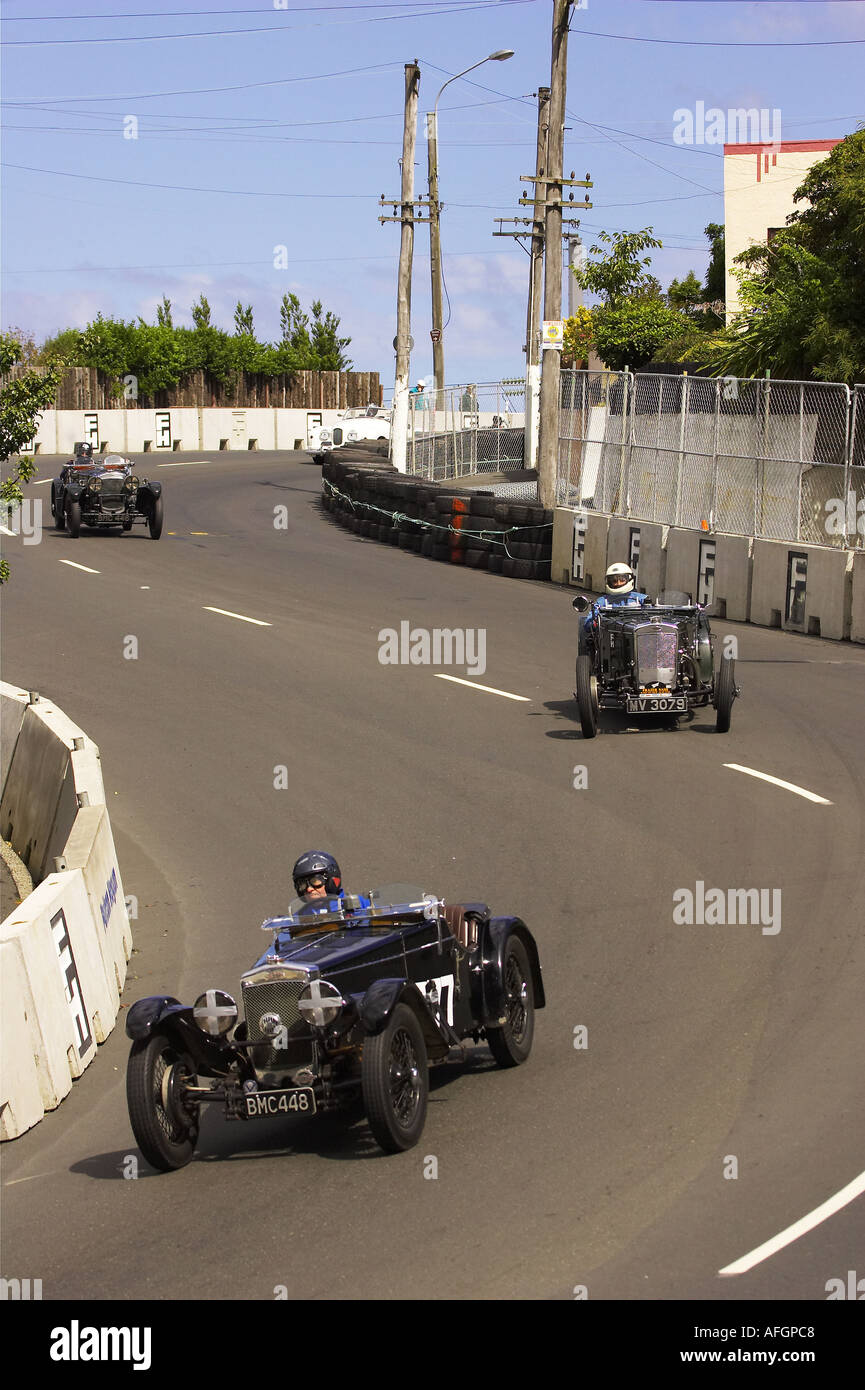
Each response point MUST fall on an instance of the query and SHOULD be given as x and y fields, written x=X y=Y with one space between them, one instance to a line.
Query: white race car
x=358 y=422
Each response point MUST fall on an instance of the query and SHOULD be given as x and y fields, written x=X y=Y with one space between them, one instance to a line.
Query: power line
x=210 y=91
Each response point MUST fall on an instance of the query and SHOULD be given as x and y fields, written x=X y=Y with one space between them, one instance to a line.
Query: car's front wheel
x=165 y=1130
x=57 y=512
x=73 y=519
x=725 y=694
x=587 y=696
x=512 y=1042
x=395 y=1081
x=154 y=520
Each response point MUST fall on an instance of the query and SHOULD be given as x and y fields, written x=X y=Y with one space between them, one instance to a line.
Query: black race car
x=104 y=491
x=350 y=1002
x=654 y=659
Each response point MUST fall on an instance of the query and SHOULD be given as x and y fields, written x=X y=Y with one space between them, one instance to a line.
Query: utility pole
x=536 y=266
x=548 y=450
x=399 y=426
x=435 y=258
x=575 y=290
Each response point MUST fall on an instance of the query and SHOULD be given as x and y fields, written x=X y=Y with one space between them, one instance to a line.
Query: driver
x=316 y=874
x=621 y=585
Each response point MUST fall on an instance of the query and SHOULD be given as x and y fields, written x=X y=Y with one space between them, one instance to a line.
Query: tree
x=327 y=346
x=21 y=406
x=715 y=287
x=243 y=320
x=163 y=313
x=579 y=338
x=620 y=274
x=685 y=295
x=630 y=333
x=201 y=312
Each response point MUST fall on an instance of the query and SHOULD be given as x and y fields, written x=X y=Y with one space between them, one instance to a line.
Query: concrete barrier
x=639 y=544
x=66 y=945
x=802 y=588
x=579 y=554
x=181 y=429
x=712 y=569
x=857 y=614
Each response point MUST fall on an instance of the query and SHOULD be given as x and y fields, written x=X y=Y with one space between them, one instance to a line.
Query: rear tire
x=725 y=694
x=587 y=696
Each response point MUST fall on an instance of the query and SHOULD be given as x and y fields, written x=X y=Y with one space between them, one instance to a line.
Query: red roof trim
x=785 y=147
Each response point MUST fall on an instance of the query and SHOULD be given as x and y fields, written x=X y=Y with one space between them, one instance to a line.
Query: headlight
x=131 y=484
x=320 y=1003
x=94 y=485
x=215 y=1012
x=324 y=434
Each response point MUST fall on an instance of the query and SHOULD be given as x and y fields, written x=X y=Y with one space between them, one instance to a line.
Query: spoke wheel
x=395 y=1081
x=165 y=1130
x=512 y=1042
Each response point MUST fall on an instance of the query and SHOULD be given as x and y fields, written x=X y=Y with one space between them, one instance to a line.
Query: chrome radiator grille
x=655 y=650
x=272 y=997
x=112 y=494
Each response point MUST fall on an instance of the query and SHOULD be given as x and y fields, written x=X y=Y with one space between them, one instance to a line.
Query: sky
x=170 y=147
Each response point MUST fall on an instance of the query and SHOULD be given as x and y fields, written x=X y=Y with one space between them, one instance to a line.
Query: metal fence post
x=713 y=504
x=680 y=467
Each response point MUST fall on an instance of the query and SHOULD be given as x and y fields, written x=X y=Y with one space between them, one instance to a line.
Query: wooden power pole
x=548 y=449
x=536 y=270
x=399 y=427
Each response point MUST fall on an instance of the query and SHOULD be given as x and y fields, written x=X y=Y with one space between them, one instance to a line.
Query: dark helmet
x=317 y=862
x=84 y=450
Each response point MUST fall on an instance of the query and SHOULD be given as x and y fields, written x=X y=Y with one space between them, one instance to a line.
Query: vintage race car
x=104 y=491
x=349 y=1003
x=655 y=659
x=356 y=423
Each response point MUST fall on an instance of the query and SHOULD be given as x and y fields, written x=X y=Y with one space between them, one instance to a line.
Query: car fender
x=496 y=935
x=71 y=492
x=378 y=1003
x=162 y=1014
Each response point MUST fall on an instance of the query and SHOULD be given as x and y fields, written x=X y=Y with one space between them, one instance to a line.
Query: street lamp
x=434 y=229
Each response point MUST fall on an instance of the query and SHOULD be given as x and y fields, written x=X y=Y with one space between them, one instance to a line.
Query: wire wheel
x=395 y=1081
x=165 y=1130
x=511 y=1043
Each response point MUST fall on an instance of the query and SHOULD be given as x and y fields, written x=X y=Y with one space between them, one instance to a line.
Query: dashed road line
x=240 y=616
x=74 y=565
x=799 y=1228
x=473 y=685
x=778 y=782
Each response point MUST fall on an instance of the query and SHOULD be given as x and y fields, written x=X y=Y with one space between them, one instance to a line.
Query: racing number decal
x=797 y=580
x=91 y=428
x=634 y=552
x=579 y=559
x=706 y=573
x=163 y=429
x=443 y=985
x=74 y=997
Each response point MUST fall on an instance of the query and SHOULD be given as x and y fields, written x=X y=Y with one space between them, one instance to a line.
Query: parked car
x=654 y=659
x=358 y=422
x=349 y=1002
x=102 y=492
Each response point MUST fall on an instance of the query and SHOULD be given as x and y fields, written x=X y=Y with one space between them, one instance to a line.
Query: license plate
x=657 y=704
x=300 y=1100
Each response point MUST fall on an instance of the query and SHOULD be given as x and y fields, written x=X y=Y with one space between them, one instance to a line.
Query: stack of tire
x=457 y=525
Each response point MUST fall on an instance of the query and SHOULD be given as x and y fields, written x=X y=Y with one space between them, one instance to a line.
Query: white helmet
x=620 y=580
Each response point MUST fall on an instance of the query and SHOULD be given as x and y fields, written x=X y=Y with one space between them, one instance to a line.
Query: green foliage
x=715 y=287
x=579 y=337
x=683 y=295
x=21 y=405
x=327 y=346
x=621 y=273
x=629 y=334
x=201 y=312
x=163 y=313
x=243 y=325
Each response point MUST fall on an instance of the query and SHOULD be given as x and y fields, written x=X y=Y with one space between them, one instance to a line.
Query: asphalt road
x=601 y=1165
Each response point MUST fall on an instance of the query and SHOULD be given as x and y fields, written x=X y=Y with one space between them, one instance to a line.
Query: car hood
x=328 y=950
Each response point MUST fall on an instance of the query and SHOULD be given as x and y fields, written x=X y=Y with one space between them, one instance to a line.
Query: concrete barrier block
x=21 y=1103
x=802 y=588
x=734 y=576
x=38 y=799
x=90 y=848
x=13 y=703
x=711 y=568
x=857 y=614
x=639 y=544
x=579 y=553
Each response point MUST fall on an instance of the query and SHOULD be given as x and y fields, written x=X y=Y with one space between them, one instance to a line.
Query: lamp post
x=434 y=229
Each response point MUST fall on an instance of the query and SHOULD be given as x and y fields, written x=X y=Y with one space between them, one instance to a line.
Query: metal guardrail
x=783 y=460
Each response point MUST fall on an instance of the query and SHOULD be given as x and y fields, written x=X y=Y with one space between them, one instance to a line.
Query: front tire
x=154 y=521
x=57 y=511
x=165 y=1132
x=587 y=696
x=512 y=1043
x=73 y=519
x=395 y=1081
x=725 y=694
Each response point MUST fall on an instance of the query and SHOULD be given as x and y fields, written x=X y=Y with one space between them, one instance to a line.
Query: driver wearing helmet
x=317 y=875
x=621 y=586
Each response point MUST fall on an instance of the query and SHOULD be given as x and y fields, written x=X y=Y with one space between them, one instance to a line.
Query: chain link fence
x=784 y=460
x=476 y=428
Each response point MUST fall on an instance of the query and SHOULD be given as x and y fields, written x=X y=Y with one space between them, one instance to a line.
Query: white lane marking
x=76 y=566
x=799 y=1228
x=777 y=781
x=473 y=685
x=228 y=614
x=188 y=463
x=6 y=531
x=145 y=586
x=37 y=482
